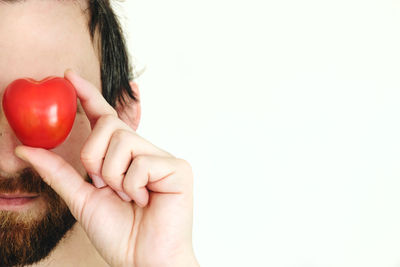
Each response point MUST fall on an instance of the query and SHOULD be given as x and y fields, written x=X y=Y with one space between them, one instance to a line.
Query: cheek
x=71 y=148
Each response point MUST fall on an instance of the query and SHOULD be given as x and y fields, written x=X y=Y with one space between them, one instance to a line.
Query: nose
x=9 y=162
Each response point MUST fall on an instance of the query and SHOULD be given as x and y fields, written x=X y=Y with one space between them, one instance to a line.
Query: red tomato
x=41 y=113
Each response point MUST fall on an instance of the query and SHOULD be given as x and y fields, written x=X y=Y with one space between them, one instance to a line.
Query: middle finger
x=95 y=148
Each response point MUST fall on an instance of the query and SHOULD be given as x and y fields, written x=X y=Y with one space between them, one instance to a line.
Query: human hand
x=142 y=214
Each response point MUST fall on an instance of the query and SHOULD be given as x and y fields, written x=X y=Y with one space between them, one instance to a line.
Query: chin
x=29 y=234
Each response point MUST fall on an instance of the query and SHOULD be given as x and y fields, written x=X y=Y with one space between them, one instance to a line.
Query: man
x=132 y=201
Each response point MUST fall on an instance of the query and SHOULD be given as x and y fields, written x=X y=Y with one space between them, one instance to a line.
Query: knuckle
x=120 y=135
x=186 y=172
x=59 y=169
x=111 y=180
x=106 y=119
x=128 y=185
x=87 y=156
x=185 y=166
x=139 y=161
x=131 y=183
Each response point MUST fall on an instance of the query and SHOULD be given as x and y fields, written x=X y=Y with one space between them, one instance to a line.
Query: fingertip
x=68 y=72
x=124 y=196
x=141 y=204
x=141 y=197
x=30 y=154
x=19 y=152
x=71 y=76
x=98 y=181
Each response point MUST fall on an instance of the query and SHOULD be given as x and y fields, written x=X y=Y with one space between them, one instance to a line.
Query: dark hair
x=116 y=69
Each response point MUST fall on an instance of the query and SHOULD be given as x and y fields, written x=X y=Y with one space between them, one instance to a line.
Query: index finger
x=92 y=101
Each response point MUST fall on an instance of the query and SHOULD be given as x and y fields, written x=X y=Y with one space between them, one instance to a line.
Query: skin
x=140 y=213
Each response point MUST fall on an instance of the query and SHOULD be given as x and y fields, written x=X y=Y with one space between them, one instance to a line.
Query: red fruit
x=41 y=113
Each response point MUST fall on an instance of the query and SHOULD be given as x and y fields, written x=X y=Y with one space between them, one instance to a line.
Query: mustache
x=26 y=181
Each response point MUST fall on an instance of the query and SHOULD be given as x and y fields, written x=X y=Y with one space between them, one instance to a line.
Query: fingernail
x=98 y=181
x=69 y=70
x=124 y=196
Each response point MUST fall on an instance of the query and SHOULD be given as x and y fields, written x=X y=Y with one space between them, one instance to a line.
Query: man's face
x=40 y=38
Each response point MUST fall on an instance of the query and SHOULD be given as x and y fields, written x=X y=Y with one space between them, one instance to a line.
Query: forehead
x=40 y=38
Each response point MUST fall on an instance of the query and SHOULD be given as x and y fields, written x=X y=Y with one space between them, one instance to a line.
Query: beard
x=27 y=237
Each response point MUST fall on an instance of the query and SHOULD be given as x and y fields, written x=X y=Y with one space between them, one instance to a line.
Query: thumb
x=59 y=175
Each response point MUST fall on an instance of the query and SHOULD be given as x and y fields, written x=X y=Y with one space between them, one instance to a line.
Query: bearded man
x=106 y=196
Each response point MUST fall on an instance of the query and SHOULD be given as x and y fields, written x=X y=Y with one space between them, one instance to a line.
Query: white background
x=289 y=113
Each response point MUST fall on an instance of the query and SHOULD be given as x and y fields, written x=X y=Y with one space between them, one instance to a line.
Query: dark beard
x=27 y=239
